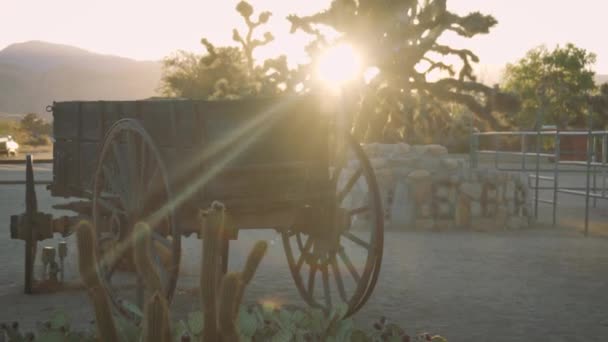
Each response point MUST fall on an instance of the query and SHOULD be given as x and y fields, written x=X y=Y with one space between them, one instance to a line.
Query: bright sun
x=338 y=65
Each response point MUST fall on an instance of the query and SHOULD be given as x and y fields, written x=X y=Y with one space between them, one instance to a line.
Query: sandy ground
x=541 y=284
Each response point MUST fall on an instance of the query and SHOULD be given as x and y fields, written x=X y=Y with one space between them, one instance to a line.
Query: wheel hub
x=323 y=226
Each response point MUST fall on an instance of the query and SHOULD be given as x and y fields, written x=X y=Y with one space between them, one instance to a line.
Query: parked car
x=8 y=146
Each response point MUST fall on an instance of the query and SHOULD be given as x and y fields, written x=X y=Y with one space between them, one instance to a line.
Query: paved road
x=540 y=284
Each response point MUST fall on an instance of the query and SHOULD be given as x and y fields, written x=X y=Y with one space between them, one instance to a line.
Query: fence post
x=556 y=174
x=536 y=181
x=474 y=142
x=587 y=183
x=524 y=150
x=594 y=167
x=604 y=160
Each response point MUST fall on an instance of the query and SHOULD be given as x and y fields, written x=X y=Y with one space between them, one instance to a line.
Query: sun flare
x=338 y=65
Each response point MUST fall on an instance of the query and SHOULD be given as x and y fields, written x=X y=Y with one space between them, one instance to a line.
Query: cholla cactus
x=220 y=317
x=156 y=320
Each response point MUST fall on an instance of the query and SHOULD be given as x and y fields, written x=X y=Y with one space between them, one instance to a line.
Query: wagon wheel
x=131 y=185
x=348 y=252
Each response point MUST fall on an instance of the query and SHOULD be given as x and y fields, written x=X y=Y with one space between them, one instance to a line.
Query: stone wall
x=424 y=188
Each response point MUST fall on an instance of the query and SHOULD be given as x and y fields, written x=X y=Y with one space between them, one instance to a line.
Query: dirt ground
x=547 y=283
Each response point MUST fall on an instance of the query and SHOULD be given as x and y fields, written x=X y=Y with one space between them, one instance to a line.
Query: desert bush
x=34 y=130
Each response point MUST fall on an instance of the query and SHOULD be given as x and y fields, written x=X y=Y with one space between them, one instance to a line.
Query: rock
x=425 y=224
x=485 y=224
x=463 y=211
x=436 y=150
x=379 y=162
x=473 y=190
x=502 y=217
x=442 y=192
x=475 y=209
x=402 y=209
x=418 y=149
x=516 y=222
x=508 y=190
x=409 y=175
x=371 y=150
x=402 y=149
x=353 y=164
x=431 y=164
x=420 y=181
x=418 y=175
x=444 y=209
x=449 y=164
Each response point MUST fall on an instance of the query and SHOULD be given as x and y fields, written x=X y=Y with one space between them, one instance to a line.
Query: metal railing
x=590 y=166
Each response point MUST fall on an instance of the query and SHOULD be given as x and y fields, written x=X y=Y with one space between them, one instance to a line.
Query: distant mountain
x=34 y=74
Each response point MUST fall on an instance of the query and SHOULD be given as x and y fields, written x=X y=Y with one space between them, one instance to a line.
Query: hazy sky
x=151 y=29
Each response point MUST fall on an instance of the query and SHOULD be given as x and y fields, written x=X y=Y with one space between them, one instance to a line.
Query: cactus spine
x=87 y=264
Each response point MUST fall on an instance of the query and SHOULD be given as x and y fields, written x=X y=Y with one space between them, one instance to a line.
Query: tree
x=220 y=73
x=599 y=104
x=401 y=39
x=557 y=81
x=33 y=130
x=228 y=71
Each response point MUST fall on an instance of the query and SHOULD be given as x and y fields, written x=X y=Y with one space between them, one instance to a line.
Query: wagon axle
x=33 y=226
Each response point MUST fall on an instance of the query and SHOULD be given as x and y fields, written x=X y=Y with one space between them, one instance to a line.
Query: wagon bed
x=272 y=151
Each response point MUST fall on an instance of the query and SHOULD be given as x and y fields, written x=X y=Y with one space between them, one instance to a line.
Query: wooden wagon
x=275 y=163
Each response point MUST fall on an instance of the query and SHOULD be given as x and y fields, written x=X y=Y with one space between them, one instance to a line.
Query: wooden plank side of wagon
x=264 y=153
x=79 y=128
x=66 y=132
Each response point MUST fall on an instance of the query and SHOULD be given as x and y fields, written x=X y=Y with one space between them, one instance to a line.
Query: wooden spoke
x=326 y=288
x=139 y=292
x=161 y=239
x=143 y=160
x=133 y=172
x=159 y=264
x=121 y=162
x=152 y=184
x=338 y=277
x=311 y=279
x=349 y=265
x=115 y=184
x=299 y=241
x=109 y=206
x=338 y=169
x=358 y=211
x=349 y=185
x=304 y=254
x=352 y=237
x=111 y=258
